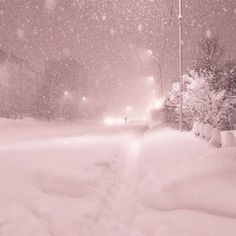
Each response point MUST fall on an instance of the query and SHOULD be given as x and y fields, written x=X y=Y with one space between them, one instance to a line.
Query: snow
x=208 y=131
x=228 y=139
x=186 y=192
x=84 y=178
x=202 y=130
x=216 y=140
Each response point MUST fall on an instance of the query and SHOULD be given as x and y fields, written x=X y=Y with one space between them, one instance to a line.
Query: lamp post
x=180 y=19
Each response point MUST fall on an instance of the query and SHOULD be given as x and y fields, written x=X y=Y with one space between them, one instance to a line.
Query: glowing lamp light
x=129 y=108
x=66 y=93
x=84 y=99
x=158 y=104
x=113 y=121
x=149 y=52
x=150 y=79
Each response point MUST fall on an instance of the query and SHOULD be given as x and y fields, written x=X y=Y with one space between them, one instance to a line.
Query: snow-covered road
x=64 y=179
x=86 y=179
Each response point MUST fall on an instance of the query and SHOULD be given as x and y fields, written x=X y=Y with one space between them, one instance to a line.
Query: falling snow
x=98 y=31
x=85 y=143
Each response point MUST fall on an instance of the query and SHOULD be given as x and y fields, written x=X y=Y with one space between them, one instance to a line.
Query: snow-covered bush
x=215 y=138
x=200 y=101
x=208 y=131
x=229 y=139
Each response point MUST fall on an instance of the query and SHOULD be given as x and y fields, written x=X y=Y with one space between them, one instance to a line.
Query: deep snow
x=67 y=179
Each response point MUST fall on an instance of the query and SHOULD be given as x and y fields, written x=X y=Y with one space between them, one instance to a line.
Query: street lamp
x=180 y=19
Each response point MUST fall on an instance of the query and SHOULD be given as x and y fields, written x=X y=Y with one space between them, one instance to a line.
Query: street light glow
x=129 y=108
x=150 y=79
x=113 y=121
x=149 y=52
x=158 y=104
x=66 y=93
x=84 y=99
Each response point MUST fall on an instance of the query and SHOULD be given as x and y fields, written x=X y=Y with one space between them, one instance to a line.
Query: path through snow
x=118 y=216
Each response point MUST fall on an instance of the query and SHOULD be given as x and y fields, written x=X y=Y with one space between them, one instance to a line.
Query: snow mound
x=183 y=187
x=216 y=138
x=229 y=139
x=208 y=131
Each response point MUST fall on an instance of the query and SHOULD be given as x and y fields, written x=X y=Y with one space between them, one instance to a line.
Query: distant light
x=149 y=52
x=84 y=99
x=153 y=92
x=113 y=121
x=158 y=104
x=129 y=108
x=66 y=93
x=150 y=79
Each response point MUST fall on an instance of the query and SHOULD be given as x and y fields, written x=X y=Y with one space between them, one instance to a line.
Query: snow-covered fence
x=228 y=139
x=210 y=134
x=213 y=135
x=215 y=138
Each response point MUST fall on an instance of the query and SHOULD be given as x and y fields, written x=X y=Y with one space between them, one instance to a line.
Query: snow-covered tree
x=210 y=54
x=229 y=75
x=200 y=101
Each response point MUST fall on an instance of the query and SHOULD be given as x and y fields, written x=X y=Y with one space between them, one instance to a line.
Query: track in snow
x=118 y=214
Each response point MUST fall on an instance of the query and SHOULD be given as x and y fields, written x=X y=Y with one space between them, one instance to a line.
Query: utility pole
x=180 y=19
x=161 y=77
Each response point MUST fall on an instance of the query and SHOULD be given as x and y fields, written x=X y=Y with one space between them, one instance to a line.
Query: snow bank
x=208 y=132
x=216 y=138
x=189 y=184
x=202 y=130
x=228 y=139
